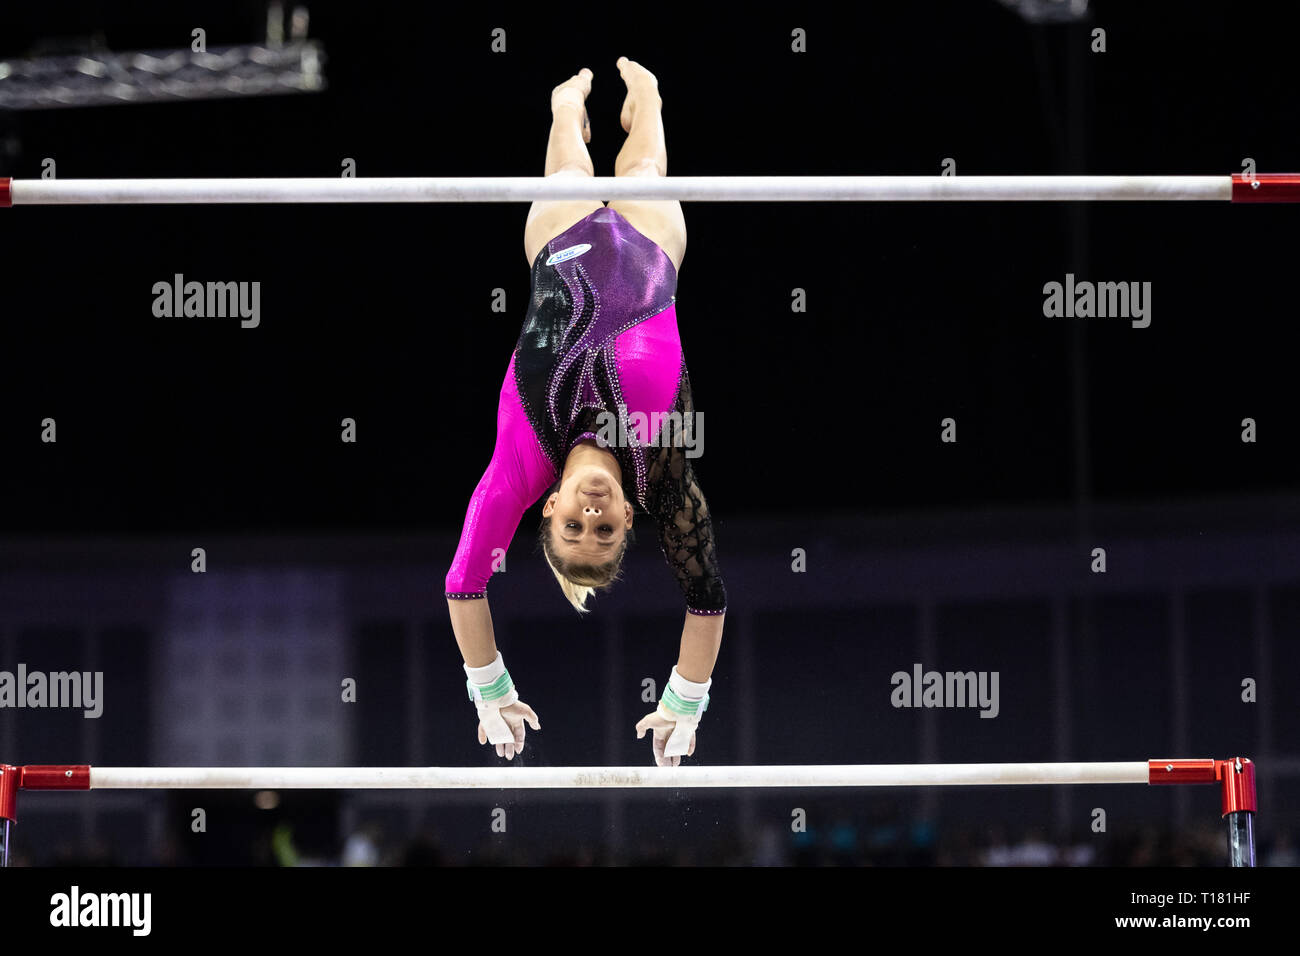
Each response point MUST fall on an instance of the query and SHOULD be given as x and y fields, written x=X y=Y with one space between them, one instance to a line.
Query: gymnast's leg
x=566 y=155
x=646 y=154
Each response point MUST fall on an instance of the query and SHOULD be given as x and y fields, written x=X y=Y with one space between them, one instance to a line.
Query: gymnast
x=599 y=343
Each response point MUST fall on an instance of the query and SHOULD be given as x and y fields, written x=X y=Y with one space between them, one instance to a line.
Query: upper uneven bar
x=534 y=778
x=1224 y=188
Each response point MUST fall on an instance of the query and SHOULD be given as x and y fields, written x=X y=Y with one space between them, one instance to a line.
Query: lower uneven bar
x=533 y=778
x=1236 y=777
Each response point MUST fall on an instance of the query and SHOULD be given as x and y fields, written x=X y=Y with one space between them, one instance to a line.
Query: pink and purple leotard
x=600 y=340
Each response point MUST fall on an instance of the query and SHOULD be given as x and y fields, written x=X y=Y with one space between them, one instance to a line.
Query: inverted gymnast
x=599 y=344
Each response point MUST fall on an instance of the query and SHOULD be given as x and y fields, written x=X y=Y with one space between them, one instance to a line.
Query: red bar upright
x=11 y=778
x=1238 y=779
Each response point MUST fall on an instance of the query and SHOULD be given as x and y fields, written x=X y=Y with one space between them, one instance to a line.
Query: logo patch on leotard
x=570 y=253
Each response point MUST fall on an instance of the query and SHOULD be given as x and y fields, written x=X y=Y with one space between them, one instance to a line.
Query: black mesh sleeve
x=676 y=503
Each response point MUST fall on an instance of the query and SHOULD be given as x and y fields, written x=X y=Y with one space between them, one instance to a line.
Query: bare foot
x=573 y=93
x=642 y=87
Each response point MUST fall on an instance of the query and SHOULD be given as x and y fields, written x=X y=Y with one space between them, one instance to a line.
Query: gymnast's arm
x=516 y=476
x=686 y=534
x=471 y=622
x=686 y=537
x=677 y=504
x=701 y=640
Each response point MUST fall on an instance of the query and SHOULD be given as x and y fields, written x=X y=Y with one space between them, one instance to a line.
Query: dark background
x=822 y=427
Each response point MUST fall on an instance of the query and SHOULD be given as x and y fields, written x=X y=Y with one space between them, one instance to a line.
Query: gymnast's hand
x=675 y=719
x=505 y=727
x=662 y=730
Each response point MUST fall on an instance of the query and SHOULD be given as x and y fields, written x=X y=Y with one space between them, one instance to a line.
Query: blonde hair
x=580 y=581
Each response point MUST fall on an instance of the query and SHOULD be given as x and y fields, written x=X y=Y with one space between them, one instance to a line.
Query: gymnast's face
x=589 y=516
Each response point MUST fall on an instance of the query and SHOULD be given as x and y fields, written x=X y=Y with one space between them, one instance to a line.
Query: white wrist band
x=490 y=685
x=690 y=690
x=488 y=672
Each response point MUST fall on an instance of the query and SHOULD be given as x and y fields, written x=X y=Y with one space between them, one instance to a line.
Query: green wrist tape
x=487 y=693
x=678 y=704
